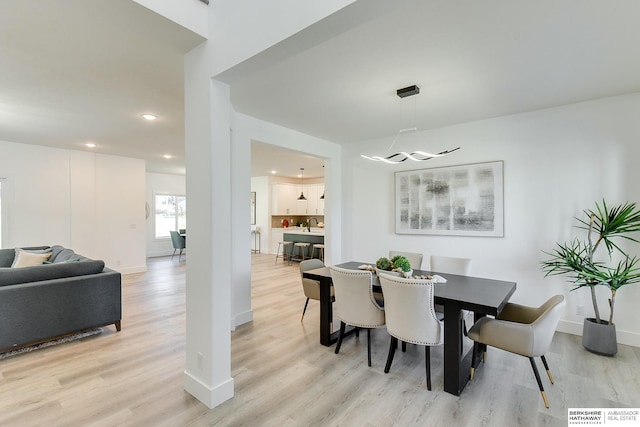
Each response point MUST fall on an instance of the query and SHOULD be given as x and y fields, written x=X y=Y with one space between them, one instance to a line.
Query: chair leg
x=180 y=255
x=474 y=354
x=304 y=309
x=404 y=346
x=427 y=363
x=342 y=328
x=392 y=350
x=357 y=332
x=546 y=366
x=537 y=374
x=174 y=254
x=369 y=346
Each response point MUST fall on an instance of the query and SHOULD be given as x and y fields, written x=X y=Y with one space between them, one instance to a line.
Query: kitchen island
x=300 y=234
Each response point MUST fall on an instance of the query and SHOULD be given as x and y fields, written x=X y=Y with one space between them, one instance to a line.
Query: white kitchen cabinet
x=315 y=206
x=285 y=201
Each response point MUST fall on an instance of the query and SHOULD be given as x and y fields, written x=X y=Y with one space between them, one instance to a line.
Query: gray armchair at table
x=355 y=304
x=411 y=316
x=522 y=330
x=310 y=287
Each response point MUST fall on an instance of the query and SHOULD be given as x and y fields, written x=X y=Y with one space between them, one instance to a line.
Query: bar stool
x=284 y=246
x=320 y=248
x=302 y=251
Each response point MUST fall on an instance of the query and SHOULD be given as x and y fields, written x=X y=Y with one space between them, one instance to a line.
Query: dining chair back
x=451 y=265
x=178 y=242
x=310 y=287
x=355 y=304
x=410 y=316
x=527 y=331
x=415 y=259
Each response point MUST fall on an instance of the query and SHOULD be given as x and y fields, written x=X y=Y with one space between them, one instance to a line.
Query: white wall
x=160 y=183
x=89 y=202
x=191 y=14
x=261 y=185
x=557 y=162
x=249 y=129
x=234 y=25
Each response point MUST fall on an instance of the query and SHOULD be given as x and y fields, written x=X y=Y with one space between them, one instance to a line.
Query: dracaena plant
x=575 y=259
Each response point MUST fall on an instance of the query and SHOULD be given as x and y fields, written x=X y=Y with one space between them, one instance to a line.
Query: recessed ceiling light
x=90 y=145
x=167 y=156
x=149 y=117
x=273 y=172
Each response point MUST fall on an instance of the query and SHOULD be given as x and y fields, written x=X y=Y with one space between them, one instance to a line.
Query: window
x=171 y=214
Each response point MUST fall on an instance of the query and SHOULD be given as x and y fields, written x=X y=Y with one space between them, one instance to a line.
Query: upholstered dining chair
x=415 y=259
x=522 y=330
x=178 y=242
x=411 y=316
x=355 y=304
x=310 y=287
x=451 y=265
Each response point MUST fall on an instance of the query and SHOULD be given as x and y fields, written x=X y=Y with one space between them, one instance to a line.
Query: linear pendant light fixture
x=415 y=155
x=302 y=198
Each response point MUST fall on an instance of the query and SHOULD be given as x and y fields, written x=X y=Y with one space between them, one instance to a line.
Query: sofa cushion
x=8 y=255
x=12 y=276
x=29 y=258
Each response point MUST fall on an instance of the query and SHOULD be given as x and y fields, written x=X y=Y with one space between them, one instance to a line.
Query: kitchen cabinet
x=316 y=204
x=284 y=199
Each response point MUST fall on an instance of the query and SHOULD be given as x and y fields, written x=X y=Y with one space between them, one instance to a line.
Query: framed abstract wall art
x=462 y=200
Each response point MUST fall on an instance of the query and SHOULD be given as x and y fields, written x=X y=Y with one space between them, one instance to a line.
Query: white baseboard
x=241 y=319
x=131 y=270
x=575 y=328
x=210 y=396
x=158 y=254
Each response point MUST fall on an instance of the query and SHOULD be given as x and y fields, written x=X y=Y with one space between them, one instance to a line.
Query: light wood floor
x=283 y=376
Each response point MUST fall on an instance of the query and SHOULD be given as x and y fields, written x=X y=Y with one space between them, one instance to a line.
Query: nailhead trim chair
x=411 y=316
x=355 y=304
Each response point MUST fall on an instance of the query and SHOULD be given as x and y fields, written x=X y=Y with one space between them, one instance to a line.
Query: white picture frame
x=461 y=200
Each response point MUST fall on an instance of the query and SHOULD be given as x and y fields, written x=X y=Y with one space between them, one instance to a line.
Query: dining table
x=481 y=295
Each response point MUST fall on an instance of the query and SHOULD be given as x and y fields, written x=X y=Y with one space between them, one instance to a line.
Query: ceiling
x=79 y=70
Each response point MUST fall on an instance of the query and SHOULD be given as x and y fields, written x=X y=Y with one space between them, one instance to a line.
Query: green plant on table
x=401 y=262
x=383 y=264
x=576 y=257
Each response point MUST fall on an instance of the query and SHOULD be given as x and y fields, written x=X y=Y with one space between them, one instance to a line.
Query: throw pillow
x=25 y=259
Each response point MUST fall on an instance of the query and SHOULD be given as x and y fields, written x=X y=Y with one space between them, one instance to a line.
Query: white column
x=208 y=300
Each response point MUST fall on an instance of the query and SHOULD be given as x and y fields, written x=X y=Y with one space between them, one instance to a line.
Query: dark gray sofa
x=68 y=294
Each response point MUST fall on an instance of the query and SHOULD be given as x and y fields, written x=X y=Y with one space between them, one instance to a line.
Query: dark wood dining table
x=482 y=296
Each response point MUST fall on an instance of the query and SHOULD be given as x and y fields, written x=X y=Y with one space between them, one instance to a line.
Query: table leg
x=454 y=377
x=326 y=312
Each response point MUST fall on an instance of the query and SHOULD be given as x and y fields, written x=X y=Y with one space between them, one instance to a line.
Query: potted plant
x=398 y=264
x=576 y=259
